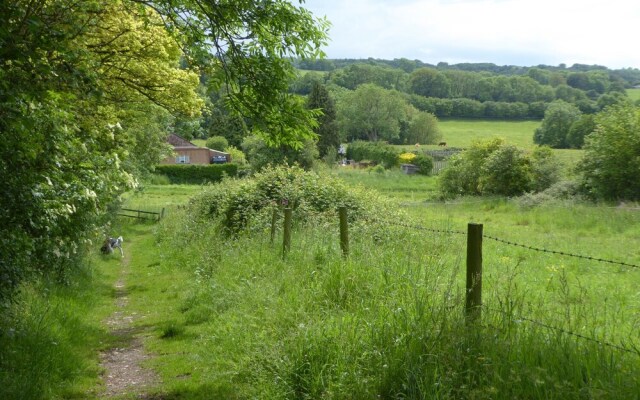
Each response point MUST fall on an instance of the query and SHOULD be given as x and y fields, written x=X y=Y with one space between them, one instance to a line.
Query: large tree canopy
x=87 y=88
x=245 y=45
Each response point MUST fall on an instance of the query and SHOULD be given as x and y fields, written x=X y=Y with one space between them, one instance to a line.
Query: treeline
x=475 y=90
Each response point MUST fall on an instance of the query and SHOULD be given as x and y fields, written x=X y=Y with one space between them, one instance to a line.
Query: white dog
x=111 y=243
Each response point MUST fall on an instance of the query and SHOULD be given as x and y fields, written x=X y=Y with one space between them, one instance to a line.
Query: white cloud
x=520 y=32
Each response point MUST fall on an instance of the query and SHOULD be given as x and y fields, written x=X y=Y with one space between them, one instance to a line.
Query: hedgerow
x=197 y=174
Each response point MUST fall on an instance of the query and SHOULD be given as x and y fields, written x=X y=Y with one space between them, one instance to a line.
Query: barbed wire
x=417 y=227
x=504 y=241
x=562 y=253
x=633 y=350
x=621 y=207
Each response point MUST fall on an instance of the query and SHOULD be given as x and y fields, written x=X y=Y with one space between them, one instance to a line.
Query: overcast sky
x=515 y=32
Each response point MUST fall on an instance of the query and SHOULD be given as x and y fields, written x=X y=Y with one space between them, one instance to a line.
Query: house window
x=182 y=159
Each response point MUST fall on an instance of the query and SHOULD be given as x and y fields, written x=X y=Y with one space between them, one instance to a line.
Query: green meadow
x=230 y=317
x=462 y=132
x=634 y=94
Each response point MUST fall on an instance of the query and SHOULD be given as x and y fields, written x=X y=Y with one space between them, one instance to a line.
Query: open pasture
x=634 y=94
x=463 y=132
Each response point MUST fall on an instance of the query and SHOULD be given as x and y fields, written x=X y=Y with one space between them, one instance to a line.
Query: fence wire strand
x=508 y=242
x=631 y=350
x=417 y=227
x=562 y=253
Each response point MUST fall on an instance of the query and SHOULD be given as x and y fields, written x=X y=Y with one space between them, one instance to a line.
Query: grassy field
x=462 y=132
x=233 y=319
x=230 y=318
x=634 y=94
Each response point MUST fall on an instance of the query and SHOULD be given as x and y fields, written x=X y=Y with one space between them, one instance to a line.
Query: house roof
x=178 y=141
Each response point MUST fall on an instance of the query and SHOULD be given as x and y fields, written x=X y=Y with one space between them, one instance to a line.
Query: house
x=188 y=153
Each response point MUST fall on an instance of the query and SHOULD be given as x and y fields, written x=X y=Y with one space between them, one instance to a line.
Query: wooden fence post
x=274 y=219
x=161 y=216
x=473 y=304
x=344 y=231
x=286 y=240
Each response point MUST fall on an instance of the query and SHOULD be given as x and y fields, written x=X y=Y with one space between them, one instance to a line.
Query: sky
x=503 y=32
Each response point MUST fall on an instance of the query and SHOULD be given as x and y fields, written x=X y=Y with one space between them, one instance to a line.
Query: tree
x=86 y=93
x=327 y=129
x=610 y=166
x=260 y=155
x=82 y=86
x=580 y=129
x=428 y=82
x=246 y=46
x=423 y=128
x=372 y=113
x=558 y=119
x=219 y=143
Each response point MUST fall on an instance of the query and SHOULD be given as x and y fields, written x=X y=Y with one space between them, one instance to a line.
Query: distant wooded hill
x=476 y=90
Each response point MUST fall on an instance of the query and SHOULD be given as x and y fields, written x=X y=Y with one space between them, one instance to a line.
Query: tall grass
x=387 y=322
x=48 y=339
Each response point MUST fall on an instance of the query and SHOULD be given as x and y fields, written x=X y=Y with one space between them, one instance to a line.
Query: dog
x=110 y=244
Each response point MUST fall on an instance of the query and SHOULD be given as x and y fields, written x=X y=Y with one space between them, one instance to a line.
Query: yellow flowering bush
x=406 y=158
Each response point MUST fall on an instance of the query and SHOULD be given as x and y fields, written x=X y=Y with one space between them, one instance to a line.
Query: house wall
x=196 y=155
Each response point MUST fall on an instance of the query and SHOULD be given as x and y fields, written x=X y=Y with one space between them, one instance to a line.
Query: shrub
x=197 y=174
x=462 y=175
x=235 y=203
x=378 y=152
x=406 y=158
x=507 y=171
x=219 y=143
x=611 y=165
x=561 y=191
x=493 y=167
x=424 y=164
x=237 y=156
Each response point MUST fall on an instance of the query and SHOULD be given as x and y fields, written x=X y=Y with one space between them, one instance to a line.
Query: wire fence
x=474 y=277
x=633 y=349
x=507 y=242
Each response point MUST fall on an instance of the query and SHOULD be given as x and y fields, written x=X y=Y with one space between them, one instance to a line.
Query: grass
x=50 y=336
x=634 y=94
x=462 y=132
x=233 y=319
x=156 y=197
x=230 y=318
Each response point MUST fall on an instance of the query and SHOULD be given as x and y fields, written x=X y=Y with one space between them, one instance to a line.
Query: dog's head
x=120 y=239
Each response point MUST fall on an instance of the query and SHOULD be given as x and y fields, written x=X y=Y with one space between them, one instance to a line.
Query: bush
x=561 y=191
x=259 y=154
x=507 y=172
x=235 y=203
x=424 y=164
x=493 y=167
x=611 y=165
x=237 y=156
x=378 y=152
x=406 y=158
x=197 y=174
x=219 y=143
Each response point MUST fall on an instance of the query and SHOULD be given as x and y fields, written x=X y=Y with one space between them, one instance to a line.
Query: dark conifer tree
x=327 y=129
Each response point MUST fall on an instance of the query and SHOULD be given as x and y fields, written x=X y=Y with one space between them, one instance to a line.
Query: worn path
x=124 y=373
